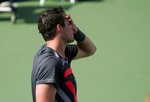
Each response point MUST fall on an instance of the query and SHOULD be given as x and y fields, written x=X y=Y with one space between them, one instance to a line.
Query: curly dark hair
x=48 y=21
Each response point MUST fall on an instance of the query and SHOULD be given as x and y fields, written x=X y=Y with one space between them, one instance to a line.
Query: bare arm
x=85 y=48
x=85 y=45
x=45 y=93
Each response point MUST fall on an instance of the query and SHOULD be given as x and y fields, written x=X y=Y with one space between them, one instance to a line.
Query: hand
x=74 y=28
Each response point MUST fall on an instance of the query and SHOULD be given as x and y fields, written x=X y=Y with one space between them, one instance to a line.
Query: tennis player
x=52 y=76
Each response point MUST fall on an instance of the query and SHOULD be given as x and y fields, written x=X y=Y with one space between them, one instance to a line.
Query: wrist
x=79 y=36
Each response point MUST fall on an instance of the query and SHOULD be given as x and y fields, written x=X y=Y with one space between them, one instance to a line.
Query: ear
x=58 y=28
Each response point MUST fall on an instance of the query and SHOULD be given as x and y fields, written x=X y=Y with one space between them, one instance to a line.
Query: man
x=52 y=77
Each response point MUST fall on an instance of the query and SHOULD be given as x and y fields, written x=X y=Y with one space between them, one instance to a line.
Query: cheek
x=69 y=35
x=71 y=30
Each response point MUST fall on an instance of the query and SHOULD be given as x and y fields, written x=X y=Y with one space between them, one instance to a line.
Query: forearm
x=87 y=45
x=84 y=43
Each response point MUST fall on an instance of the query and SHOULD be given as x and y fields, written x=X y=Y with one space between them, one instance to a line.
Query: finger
x=68 y=16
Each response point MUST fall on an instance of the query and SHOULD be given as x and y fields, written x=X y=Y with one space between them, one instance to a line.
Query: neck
x=58 y=46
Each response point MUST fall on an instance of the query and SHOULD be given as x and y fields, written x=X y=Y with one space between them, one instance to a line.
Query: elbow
x=93 y=50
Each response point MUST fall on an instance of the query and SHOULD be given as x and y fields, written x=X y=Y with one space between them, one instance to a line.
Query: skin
x=147 y=99
x=65 y=35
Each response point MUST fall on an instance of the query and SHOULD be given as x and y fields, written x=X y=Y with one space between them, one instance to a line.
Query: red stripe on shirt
x=67 y=72
x=72 y=89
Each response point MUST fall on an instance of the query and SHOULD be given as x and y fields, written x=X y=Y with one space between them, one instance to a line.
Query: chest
x=67 y=74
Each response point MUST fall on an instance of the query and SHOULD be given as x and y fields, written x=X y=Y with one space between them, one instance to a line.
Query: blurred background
x=118 y=72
